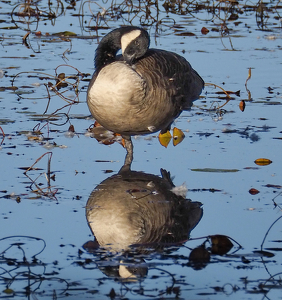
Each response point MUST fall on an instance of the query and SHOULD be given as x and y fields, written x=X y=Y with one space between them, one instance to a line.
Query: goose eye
x=136 y=43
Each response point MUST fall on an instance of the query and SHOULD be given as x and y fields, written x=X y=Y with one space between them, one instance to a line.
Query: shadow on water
x=134 y=214
x=141 y=224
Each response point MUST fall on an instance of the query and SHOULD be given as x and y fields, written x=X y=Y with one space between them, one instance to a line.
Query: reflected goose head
x=129 y=270
x=135 y=208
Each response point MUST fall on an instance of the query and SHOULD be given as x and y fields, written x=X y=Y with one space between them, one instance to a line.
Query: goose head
x=131 y=40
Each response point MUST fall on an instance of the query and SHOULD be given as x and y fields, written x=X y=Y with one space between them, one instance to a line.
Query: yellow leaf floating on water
x=263 y=161
x=178 y=136
x=164 y=138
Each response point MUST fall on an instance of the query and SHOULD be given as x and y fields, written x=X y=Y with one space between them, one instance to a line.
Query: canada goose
x=135 y=208
x=141 y=91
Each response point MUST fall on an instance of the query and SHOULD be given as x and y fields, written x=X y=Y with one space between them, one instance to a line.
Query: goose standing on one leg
x=141 y=91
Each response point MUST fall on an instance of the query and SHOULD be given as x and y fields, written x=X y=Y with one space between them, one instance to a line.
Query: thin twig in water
x=25 y=39
x=217 y=86
x=225 y=92
x=249 y=77
x=261 y=246
x=275 y=204
x=38 y=159
x=49 y=98
x=3 y=138
x=41 y=191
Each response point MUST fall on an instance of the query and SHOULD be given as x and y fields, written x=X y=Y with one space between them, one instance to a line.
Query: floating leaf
x=8 y=291
x=221 y=244
x=233 y=17
x=62 y=76
x=263 y=161
x=91 y=245
x=178 y=136
x=199 y=257
x=237 y=93
x=11 y=88
x=253 y=191
x=274 y=249
x=164 y=138
x=242 y=105
x=187 y=33
x=6 y=121
x=275 y=186
x=34 y=138
x=10 y=27
x=65 y=33
x=29 y=168
x=215 y=170
x=264 y=253
x=204 y=30
x=71 y=128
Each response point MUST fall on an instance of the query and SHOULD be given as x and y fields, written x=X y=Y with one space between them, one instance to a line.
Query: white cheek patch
x=127 y=38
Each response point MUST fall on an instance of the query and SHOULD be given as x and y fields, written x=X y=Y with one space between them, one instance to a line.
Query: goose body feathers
x=137 y=208
x=143 y=90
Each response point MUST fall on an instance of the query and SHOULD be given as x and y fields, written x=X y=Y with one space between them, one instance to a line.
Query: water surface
x=43 y=219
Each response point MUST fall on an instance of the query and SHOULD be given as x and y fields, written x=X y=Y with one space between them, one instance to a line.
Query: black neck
x=107 y=49
x=109 y=46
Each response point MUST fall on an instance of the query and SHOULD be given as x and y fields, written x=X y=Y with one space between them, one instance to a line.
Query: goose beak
x=129 y=59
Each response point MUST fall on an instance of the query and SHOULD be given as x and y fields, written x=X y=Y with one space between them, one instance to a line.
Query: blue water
x=79 y=162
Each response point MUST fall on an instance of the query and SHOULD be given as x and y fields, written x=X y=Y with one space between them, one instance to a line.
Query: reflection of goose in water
x=143 y=90
x=132 y=208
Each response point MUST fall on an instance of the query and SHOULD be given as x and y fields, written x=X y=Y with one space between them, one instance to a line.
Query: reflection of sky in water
x=231 y=211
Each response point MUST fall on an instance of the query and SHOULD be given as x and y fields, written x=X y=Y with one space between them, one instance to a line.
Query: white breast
x=116 y=91
x=115 y=84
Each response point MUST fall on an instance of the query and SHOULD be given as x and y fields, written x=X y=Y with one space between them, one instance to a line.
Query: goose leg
x=129 y=149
